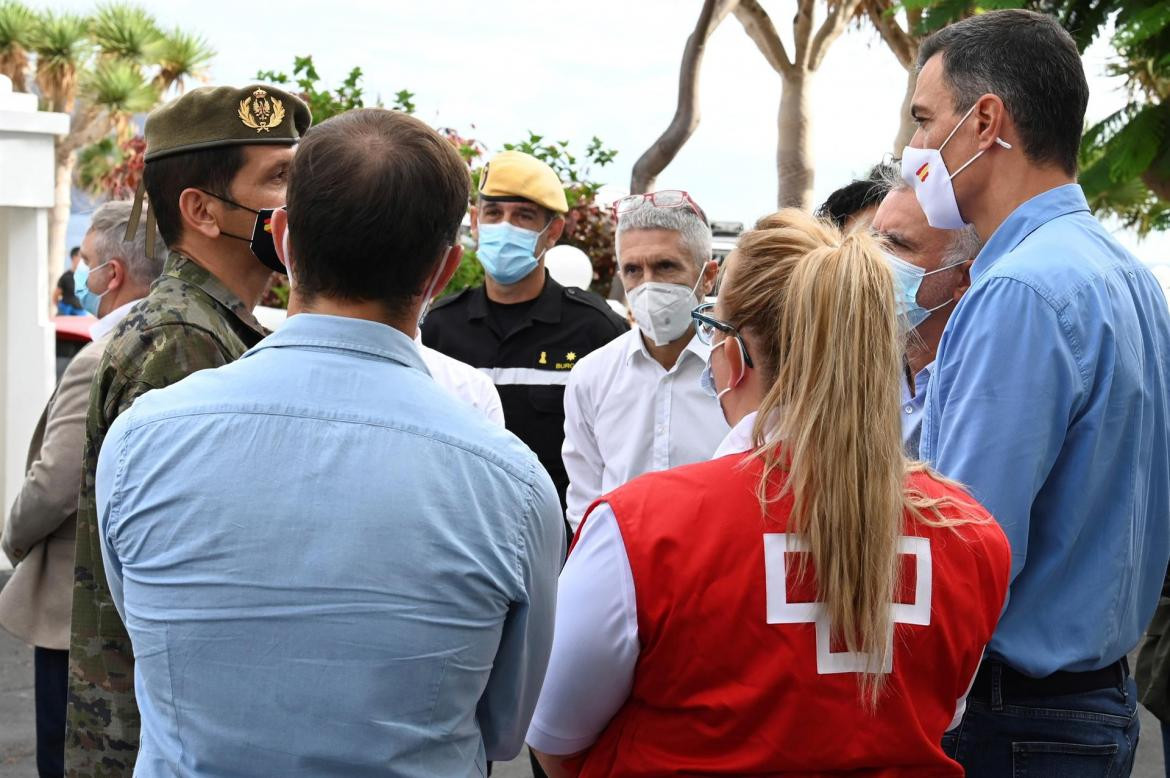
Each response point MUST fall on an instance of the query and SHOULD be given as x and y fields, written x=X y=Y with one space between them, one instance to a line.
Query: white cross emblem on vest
x=780 y=611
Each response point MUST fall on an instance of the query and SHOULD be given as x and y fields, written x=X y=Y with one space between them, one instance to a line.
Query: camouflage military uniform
x=188 y=322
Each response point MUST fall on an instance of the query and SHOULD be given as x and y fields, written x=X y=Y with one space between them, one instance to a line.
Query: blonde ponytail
x=822 y=307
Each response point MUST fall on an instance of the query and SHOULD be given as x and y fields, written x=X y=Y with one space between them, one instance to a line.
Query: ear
x=555 y=230
x=117 y=275
x=710 y=273
x=199 y=212
x=279 y=231
x=965 y=282
x=450 y=264
x=991 y=120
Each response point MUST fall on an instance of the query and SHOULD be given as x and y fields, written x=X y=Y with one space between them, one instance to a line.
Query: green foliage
x=470 y=273
x=60 y=40
x=323 y=102
x=119 y=87
x=179 y=55
x=17 y=24
x=122 y=31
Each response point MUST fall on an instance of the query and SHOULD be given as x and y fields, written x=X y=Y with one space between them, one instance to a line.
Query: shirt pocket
x=547 y=399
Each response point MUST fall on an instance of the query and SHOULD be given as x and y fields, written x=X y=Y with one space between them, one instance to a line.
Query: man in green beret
x=216 y=163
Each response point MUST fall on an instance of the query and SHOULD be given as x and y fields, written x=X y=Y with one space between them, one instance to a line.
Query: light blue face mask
x=90 y=301
x=507 y=252
x=907 y=280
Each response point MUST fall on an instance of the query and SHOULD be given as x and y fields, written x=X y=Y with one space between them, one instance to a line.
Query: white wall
x=26 y=334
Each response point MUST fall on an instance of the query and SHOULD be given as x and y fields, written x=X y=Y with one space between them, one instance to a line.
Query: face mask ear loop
x=550 y=221
x=957 y=126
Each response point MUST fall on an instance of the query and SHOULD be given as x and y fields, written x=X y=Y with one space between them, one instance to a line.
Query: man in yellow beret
x=521 y=327
x=216 y=163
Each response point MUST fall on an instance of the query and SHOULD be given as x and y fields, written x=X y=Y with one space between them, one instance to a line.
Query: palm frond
x=119 y=88
x=180 y=55
x=17 y=28
x=124 y=31
x=61 y=44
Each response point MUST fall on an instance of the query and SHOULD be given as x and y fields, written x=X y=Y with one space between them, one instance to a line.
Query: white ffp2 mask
x=926 y=173
x=663 y=311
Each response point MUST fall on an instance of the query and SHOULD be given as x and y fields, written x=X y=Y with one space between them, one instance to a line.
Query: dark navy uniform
x=528 y=350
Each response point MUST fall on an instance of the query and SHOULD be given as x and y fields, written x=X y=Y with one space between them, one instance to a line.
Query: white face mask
x=663 y=311
x=926 y=173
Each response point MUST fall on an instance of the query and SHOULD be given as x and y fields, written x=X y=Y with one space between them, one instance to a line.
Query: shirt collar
x=637 y=344
x=107 y=323
x=739 y=439
x=189 y=271
x=342 y=333
x=546 y=308
x=1025 y=220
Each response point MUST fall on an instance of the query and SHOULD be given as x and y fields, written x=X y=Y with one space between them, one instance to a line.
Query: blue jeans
x=1087 y=734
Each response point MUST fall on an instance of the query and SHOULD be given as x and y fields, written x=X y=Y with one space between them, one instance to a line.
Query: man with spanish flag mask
x=216 y=163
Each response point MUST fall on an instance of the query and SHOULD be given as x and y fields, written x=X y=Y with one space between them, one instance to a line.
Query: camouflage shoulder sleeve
x=102 y=720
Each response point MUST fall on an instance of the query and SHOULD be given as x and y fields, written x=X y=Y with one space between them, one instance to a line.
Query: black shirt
x=528 y=350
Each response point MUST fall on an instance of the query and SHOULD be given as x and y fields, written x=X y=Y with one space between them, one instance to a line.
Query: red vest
x=735 y=675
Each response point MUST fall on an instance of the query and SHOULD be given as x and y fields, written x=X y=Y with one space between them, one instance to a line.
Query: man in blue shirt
x=1048 y=398
x=328 y=565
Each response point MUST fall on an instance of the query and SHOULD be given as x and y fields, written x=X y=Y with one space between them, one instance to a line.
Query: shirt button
x=909 y=409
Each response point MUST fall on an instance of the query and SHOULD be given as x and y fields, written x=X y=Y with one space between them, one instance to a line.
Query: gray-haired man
x=636 y=404
x=39 y=535
x=942 y=259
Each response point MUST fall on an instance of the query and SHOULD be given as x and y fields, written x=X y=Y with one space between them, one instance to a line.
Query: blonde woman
x=809 y=602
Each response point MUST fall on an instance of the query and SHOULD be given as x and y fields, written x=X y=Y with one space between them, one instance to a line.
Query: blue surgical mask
x=907 y=280
x=90 y=301
x=707 y=377
x=507 y=252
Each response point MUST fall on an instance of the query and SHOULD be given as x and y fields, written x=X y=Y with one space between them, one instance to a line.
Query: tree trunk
x=59 y=216
x=686 y=116
x=793 y=153
x=906 y=126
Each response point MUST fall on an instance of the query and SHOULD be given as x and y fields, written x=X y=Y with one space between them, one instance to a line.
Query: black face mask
x=261 y=242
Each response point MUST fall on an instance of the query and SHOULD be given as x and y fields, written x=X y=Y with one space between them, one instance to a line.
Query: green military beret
x=210 y=117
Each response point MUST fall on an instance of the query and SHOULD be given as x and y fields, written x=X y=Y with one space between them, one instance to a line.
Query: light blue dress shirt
x=912 y=408
x=1049 y=401
x=327 y=564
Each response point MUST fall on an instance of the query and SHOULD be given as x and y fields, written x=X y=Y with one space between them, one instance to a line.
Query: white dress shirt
x=105 y=324
x=626 y=415
x=595 y=643
x=463 y=381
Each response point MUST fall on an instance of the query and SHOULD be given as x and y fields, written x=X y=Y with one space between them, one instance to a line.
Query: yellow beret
x=514 y=175
x=211 y=117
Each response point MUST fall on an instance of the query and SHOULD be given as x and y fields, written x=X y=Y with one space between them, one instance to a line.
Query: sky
x=570 y=71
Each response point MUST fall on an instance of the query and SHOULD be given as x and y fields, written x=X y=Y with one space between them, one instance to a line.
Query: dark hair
x=73 y=252
x=373 y=197
x=1032 y=64
x=858 y=195
x=211 y=169
x=68 y=290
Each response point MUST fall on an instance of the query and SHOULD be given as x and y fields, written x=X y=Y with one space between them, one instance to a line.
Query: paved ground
x=17 y=737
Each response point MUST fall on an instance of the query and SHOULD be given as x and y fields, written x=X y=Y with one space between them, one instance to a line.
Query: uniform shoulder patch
x=589 y=298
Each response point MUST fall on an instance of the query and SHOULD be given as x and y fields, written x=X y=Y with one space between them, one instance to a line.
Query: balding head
x=374 y=198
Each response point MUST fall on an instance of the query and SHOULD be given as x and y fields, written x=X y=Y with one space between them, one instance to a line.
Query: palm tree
x=180 y=55
x=17 y=25
x=124 y=32
x=61 y=43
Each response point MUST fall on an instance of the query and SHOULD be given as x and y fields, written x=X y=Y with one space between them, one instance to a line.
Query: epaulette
x=591 y=299
x=442 y=301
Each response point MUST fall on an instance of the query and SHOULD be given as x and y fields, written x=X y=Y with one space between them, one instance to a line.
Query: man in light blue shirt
x=1048 y=398
x=327 y=564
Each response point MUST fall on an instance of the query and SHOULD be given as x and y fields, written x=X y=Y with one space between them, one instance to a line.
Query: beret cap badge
x=261 y=112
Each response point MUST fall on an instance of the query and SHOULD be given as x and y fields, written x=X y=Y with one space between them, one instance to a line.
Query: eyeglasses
x=707 y=325
x=667 y=198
